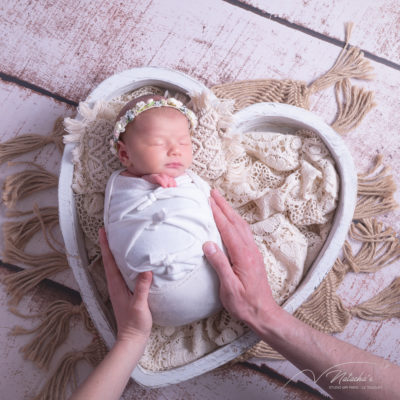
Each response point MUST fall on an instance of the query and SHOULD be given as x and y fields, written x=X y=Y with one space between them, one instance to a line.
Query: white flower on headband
x=142 y=106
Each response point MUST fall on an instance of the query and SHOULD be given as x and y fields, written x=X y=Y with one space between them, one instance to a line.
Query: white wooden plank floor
x=63 y=49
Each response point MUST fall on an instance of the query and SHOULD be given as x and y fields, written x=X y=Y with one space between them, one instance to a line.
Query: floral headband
x=142 y=106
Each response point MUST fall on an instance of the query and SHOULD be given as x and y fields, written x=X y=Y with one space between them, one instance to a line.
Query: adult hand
x=108 y=380
x=131 y=310
x=244 y=288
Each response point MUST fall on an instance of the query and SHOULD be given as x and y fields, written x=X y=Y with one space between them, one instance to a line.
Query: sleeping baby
x=156 y=211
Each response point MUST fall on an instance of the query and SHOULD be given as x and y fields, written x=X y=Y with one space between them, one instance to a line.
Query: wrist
x=267 y=322
x=132 y=341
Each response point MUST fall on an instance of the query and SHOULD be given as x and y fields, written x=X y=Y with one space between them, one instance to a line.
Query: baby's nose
x=174 y=149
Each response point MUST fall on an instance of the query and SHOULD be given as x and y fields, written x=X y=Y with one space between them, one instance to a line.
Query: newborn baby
x=156 y=211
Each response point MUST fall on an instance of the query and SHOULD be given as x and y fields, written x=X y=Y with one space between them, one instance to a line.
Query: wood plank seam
x=309 y=31
x=35 y=88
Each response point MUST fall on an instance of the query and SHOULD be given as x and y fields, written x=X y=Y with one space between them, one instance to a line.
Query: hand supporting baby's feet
x=163 y=180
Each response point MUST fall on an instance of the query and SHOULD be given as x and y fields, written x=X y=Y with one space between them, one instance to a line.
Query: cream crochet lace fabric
x=284 y=185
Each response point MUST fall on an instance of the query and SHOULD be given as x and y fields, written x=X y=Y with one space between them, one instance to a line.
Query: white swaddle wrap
x=151 y=228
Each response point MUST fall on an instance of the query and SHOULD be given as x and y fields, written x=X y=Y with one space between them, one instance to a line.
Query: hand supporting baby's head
x=152 y=136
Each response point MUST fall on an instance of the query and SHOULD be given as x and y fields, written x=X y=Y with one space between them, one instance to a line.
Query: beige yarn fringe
x=19 y=233
x=375 y=192
x=30 y=142
x=24 y=183
x=380 y=247
x=350 y=64
x=65 y=374
x=45 y=266
x=355 y=104
x=51 y=332
x=250 y=92
x=386 y=304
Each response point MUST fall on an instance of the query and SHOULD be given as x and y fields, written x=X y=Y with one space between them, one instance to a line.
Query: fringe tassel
x=21 y=282
x=25 y=143
x=379 y=248
x=375 y=192
x=260 y=350
x=56 y=386
x=23 y=184
x=356 y=103
x=20 y=232
x=324 y=309
x=350 y=64
x=50 y=333
x=386 y=304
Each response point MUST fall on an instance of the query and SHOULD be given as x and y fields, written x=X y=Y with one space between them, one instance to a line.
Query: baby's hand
x=163 y=180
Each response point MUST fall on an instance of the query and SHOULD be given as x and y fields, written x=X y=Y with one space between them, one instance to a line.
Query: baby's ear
x=123 y=154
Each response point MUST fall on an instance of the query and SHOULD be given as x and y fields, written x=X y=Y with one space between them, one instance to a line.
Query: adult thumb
x=143 y=283
x=219 y=261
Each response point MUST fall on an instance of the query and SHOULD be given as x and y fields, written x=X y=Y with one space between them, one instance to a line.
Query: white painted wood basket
x=273 y=117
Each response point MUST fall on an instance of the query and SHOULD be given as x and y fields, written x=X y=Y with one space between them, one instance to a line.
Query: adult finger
x=230 y=214
x=219 y=261
x=225 y=207
x=142 y=287
x=234 y=236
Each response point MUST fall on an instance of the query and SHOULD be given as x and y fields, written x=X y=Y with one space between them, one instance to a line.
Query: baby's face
x=157 y=141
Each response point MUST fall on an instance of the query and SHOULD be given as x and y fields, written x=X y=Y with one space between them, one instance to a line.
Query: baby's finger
x=143 y=283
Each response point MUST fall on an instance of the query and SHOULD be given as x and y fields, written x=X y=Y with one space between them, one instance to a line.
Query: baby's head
x=152 y=136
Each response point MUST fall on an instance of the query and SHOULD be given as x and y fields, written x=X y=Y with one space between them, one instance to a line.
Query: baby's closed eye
x=157 y=143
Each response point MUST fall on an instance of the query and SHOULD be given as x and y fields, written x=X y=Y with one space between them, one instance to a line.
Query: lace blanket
x=285 y=186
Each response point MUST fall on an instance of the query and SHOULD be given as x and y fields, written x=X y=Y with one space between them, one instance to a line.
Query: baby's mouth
x=174 y=165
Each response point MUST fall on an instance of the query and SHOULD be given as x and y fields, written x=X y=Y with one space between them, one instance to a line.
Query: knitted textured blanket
x=273 y=190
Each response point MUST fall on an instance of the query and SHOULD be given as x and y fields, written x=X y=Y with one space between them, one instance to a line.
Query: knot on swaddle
x=151 y=198
x=165 y=260
x=157 y=219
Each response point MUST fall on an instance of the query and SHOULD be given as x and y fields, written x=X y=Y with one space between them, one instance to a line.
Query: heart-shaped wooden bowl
x=273 y=117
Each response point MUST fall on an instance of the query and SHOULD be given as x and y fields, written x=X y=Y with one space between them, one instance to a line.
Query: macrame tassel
x=20 y=232
x=324 y=309
x=384 y=305
x=25 y=183
x=350 y=64
x=380 y=247
x=24 y=143
x=355 y=104
x=260 y=350
x=65 y=374
x=50 y=333
x=246 y=93
x=44 y=266
x=375 y=192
